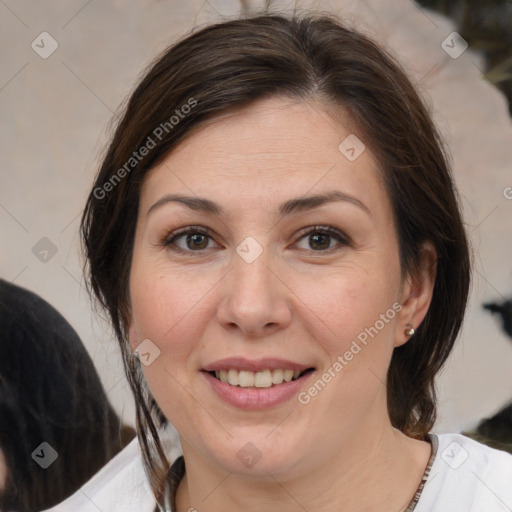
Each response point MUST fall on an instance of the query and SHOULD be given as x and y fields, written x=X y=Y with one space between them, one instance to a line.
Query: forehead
x=277 y=146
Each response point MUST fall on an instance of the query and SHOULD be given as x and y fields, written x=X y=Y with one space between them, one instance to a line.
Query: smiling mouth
x=262 y=379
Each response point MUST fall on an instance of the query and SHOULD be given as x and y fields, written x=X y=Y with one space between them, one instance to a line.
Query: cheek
x=172 y=310
x=349 y=307
x=163 y=298
x=162 y=309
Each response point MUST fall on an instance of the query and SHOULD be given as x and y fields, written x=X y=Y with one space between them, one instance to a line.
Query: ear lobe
x=417 y=293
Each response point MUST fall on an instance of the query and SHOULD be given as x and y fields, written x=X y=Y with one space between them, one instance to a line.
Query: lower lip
x=256 y=398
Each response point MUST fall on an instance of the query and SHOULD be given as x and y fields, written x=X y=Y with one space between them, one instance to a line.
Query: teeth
x=277 y=376
x=246 y=379
x=263 y=379
x=288 y=375
x=233 y=377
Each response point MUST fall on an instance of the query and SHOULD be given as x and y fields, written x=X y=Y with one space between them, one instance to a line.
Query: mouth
x=261 y=379
x=251 y=384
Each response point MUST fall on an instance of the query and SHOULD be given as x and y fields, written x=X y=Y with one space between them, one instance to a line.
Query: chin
x=258 y=455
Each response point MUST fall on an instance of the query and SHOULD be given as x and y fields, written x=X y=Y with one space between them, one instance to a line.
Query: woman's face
x=299 y=271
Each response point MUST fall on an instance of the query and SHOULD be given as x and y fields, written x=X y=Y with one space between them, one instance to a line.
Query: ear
x=417 y=291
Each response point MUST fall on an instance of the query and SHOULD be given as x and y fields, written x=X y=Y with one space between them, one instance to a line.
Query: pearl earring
x=410 y=330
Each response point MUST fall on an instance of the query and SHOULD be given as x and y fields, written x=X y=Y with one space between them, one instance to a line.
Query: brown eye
x=319 y=241
x=188 y=240
x=197 y=241
x=320 y=238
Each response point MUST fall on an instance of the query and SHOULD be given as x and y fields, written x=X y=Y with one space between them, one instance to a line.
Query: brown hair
x=232 y=64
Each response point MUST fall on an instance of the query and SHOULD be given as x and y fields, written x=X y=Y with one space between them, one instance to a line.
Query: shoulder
x=467 y=476
x=121 y=485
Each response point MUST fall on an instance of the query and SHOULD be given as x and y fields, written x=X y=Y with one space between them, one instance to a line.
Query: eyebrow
x=289 y=207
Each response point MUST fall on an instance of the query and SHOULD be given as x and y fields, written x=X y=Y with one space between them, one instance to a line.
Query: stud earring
x=410 y=330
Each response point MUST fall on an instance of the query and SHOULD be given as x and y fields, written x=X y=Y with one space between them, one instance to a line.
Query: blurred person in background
x=50 y=393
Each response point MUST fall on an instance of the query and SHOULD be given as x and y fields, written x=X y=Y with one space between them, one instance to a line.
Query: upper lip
x=254 y=365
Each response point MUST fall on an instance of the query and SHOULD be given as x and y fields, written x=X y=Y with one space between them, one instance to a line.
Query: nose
x=255 y=298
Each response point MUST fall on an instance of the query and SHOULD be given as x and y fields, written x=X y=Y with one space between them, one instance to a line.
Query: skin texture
x=296 y=301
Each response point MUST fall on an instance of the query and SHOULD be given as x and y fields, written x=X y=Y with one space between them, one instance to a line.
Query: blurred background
x=67 y=65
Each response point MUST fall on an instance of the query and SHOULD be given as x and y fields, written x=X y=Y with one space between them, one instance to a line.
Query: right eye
x=189 y=239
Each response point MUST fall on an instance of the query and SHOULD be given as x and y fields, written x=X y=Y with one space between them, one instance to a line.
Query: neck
x=387 y=463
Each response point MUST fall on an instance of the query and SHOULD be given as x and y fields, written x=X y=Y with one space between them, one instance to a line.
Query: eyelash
x=343 y=240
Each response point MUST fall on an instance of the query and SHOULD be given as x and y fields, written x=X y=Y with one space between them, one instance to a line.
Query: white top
x=466 y=476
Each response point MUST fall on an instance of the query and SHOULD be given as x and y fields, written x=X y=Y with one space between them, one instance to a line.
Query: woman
x=275 y=235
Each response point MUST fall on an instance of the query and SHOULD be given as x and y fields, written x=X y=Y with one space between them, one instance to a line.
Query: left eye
x=319 y=239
